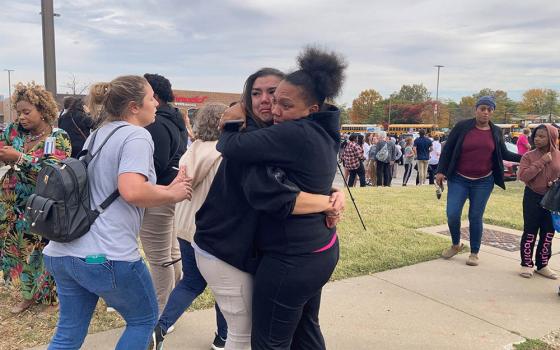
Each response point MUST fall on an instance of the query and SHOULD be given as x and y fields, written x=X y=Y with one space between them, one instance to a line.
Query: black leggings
x=407 y=172
x=286 y=300
x=537 y=220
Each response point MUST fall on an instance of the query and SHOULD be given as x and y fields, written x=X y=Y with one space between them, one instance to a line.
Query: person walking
x=538 y=169
x=27 y=145
x=422 y=148
x=472 y=162
x=106 y=261
x=435 y=153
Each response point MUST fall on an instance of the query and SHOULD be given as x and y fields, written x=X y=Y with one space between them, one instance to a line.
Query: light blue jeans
x=125 y=286
x=478 y=192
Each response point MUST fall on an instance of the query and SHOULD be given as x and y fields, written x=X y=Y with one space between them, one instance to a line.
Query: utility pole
x=49 y=61
x=436 y=111
x=390 y=111
x=10 y=91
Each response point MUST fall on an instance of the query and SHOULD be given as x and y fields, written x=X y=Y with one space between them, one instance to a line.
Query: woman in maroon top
x=472 y=161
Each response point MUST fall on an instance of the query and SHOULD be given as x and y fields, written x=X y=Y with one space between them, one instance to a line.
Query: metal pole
x=49 y=61
x=436 y=110
x=10 y=91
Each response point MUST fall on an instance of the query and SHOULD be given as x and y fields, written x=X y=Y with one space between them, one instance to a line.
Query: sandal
x=547 y=272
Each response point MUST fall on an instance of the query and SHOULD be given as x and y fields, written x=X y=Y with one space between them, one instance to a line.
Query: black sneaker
x=157 y=339
x=219 y=343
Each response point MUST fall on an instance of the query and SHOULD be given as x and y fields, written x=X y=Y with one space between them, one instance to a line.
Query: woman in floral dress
x=26 y=146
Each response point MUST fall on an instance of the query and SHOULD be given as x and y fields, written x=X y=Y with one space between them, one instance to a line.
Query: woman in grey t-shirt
x=105 y=262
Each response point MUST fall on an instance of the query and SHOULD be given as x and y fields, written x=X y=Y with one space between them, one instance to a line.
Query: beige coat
x=202 y=161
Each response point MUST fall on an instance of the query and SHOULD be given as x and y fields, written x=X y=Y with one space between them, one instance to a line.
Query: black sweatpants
x=407 y=172
x=384 y=176
x=537 y=220
x=286 y=300
x=361 y=172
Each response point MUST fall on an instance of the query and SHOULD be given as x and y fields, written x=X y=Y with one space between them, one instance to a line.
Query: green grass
x=533 y=344
x=392 y=216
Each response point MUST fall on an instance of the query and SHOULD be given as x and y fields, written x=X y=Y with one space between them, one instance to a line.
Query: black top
x=77 y=125
x=306 y=150
x=169 y=134
x=451 y=152
x=226 y=224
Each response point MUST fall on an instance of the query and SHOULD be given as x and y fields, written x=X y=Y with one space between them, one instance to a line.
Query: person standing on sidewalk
x=538 y=169
x=422 y=148
x=385 y=158
x=159 y=241
x=472 y=161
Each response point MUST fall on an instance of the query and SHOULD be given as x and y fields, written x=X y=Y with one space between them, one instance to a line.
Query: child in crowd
x=538 y=169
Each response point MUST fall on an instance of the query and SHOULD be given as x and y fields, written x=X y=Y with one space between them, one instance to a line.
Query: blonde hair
x=207 y=120
x=110 y=101
x=42 y=99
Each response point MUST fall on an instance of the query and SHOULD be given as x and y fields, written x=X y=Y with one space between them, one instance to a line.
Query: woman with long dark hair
x=77 y=123
x=299 y=252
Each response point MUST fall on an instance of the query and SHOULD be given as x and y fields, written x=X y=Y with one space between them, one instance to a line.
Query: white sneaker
x=170 y=329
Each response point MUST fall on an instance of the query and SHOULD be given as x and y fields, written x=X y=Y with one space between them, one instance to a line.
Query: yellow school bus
x=399 y=129
x=359 y=128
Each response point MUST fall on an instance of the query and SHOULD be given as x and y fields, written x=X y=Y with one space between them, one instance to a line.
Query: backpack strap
x=87 y=159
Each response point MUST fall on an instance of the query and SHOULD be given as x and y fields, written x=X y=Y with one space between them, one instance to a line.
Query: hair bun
x=325 y=68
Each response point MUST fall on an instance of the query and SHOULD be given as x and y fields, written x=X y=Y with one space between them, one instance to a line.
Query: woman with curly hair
x=27 y=145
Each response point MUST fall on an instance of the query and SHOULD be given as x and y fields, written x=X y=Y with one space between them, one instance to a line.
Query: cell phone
x=233 y=125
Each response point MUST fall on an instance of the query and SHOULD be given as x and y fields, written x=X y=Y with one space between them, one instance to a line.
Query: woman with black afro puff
x=299 y=252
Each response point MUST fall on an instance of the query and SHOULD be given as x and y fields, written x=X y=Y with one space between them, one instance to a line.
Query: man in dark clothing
x=422 y=149
x=76 y=122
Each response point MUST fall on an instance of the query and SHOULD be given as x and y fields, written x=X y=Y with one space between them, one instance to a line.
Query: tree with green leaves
x=415 y=93
x=365 y=106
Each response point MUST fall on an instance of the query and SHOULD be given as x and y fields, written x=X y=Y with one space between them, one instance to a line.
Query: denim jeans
x=477 y=191
x=186 y=291
x=125 y=286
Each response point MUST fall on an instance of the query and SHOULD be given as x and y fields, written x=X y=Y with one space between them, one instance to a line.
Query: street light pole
x=49 y=61
x=436 y=109
x=10 y=91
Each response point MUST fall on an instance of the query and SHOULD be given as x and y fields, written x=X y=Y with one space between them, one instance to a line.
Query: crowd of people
x=242 y=202
x=374 y=158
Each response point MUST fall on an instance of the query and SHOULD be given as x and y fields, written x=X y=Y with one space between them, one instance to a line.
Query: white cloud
x=214 y=45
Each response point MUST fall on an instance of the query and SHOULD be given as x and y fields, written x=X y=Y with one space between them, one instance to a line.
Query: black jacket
x=226 y=224
x=170 y=142
x=306 y=149
x=451 y=152
x=77 y=125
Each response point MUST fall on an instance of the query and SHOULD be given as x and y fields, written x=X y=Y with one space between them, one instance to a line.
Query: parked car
x=510 y=168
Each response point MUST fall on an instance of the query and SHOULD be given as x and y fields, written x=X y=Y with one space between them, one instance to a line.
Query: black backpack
x=59 y=209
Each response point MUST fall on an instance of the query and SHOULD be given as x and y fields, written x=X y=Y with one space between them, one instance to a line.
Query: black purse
x=551 y=200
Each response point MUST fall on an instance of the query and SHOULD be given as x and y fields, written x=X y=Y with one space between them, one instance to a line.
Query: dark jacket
x=451 y=152
x=226 y=224
x=306 y=149
x=170 y=142
x=77 y=125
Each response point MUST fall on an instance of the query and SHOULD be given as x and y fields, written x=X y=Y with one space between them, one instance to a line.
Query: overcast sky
x=214 y=45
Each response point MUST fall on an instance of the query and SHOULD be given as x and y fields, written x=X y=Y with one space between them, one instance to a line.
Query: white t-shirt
x=366 y=150
x=115 y=232
x=435 y=153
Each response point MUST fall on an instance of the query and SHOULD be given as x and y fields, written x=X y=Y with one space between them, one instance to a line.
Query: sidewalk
x=434 y=305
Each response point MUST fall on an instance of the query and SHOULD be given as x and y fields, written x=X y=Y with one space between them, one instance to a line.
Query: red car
x=510 y=168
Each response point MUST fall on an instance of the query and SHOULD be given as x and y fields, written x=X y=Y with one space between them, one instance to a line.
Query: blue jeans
x=478 y=192
x=125 y=286
x=186 y=291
